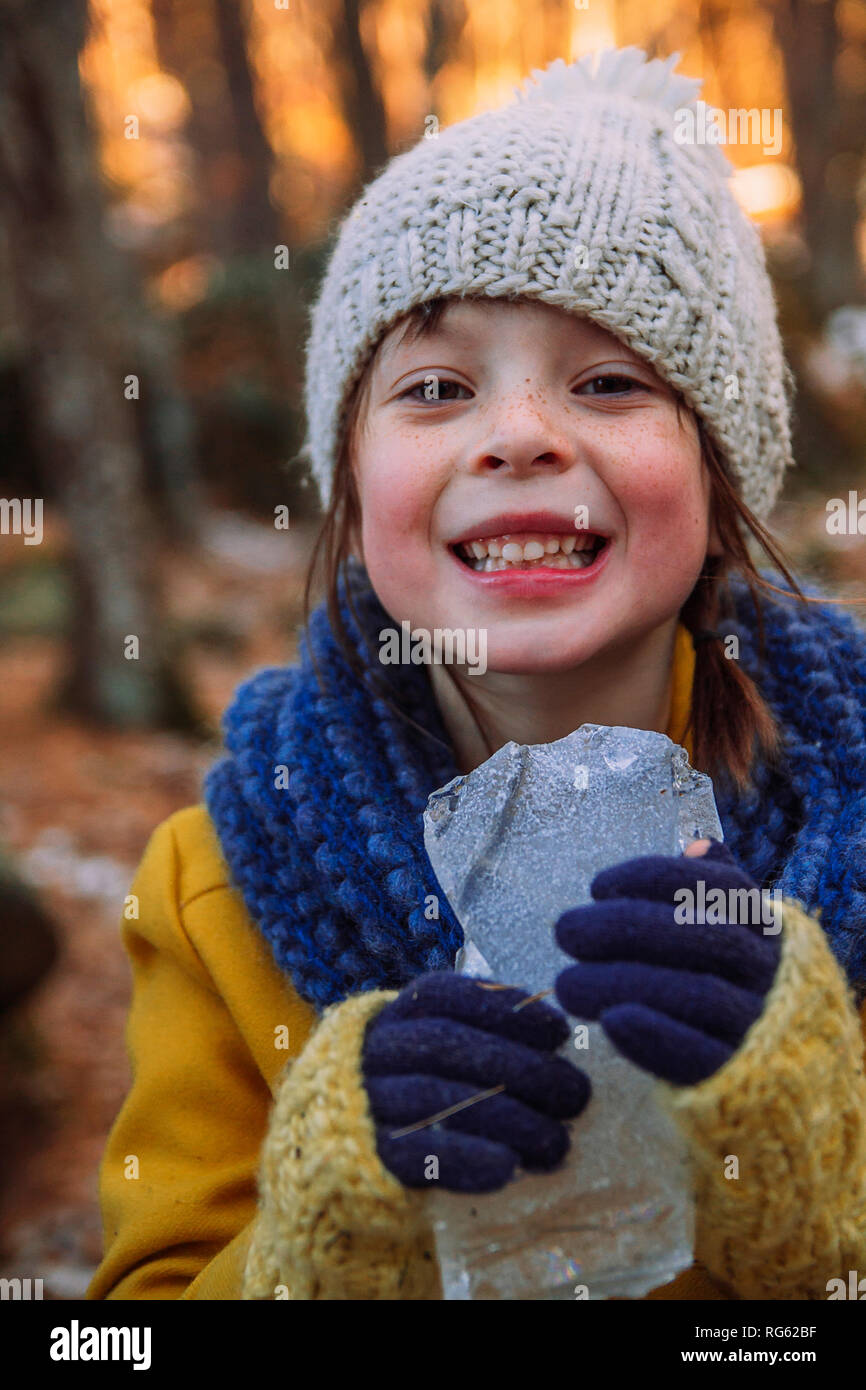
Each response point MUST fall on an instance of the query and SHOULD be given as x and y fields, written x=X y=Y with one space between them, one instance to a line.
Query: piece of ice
x=514 y=844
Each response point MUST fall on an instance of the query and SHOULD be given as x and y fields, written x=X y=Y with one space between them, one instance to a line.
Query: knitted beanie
x=581 y=193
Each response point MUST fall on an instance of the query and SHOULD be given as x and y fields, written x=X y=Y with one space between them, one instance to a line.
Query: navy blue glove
x=676 y=999
x=445 y=1039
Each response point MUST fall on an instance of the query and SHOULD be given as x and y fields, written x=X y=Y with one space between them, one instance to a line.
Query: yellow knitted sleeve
x=778 y=1134
x=333 y=1223
x=777 y=1137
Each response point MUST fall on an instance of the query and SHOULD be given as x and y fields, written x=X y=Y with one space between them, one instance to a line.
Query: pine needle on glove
x=447 y=1038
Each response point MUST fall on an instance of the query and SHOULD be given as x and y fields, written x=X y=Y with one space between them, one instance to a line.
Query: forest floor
x=78 y=805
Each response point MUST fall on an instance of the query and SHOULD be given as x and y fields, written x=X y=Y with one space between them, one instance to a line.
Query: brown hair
x=723 y=747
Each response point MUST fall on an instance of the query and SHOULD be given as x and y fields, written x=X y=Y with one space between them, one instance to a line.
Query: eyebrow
x=443 y=329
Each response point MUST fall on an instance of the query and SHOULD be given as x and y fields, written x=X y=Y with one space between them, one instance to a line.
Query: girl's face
x=523 y=421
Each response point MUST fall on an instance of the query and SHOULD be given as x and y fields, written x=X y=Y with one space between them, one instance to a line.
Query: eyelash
x=603 y=376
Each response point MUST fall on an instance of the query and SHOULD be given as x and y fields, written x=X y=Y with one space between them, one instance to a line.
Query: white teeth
x=566 y=551
x=577 y=561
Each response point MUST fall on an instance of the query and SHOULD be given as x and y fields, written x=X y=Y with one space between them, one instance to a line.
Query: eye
x=611 y=384
x=432 y=389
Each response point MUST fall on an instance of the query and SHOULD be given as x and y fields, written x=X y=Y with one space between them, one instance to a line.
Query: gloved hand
x=676 y=999
x=446 y=1038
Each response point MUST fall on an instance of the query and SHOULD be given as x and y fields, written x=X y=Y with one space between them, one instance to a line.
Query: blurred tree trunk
x=234 y=157
x=237 y=216
x=185 y=52
x=444 y=22
x=170 y=428
x=360 y=98
x=76 y=330
x=255 y=220
x=829 y=127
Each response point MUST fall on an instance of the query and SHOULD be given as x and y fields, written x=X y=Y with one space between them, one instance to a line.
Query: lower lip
x=531 y=583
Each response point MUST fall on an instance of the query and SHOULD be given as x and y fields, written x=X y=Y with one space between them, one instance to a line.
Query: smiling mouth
x=527 y=550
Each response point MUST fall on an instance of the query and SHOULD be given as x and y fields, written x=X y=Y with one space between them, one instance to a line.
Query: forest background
x=172 y=174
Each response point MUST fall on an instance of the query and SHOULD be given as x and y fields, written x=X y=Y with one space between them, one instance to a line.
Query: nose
x=522 y=436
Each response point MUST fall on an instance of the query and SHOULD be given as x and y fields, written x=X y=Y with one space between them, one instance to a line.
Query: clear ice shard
x=514 y=844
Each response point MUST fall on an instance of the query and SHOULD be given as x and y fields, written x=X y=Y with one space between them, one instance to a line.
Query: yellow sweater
x=242 y=1163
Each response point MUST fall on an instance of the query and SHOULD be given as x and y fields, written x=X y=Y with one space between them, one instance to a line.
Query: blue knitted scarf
x=319 y=804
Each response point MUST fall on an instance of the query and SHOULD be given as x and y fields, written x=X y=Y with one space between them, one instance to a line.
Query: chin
x=537 y=656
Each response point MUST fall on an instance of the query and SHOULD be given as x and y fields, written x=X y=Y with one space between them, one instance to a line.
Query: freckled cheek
x=662 y=503
x=394 y=508
x=397 y=521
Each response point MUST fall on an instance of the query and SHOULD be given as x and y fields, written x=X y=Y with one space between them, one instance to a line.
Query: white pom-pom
x=624 y=71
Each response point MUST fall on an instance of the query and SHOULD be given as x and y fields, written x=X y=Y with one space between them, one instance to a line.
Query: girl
x=546 y=401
